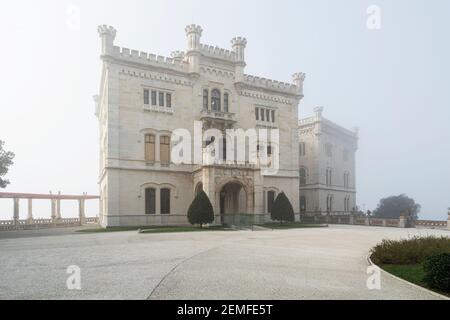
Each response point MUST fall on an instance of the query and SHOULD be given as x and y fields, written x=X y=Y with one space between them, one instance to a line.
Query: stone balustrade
x=402 y=222
x=56 y=219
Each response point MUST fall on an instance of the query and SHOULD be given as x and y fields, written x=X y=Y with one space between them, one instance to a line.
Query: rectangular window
x=273 y=115
x=146 y=96
x=165 y=201
x=267 y=115
x=168 y=100
x=149 y=147
x=153 y=98
x=164 y=146
x=161 y=99
x=262 y=114
x=205 y=99
x=150 y=197
x=302 y=149
x=257 y=113
x=225 y=102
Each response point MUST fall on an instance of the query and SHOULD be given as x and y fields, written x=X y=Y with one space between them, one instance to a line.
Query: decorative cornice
x=156 y=76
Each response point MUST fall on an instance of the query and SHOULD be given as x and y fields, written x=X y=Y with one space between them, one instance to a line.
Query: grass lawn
x=413 y=273
x=292 y=225
x=156 y=229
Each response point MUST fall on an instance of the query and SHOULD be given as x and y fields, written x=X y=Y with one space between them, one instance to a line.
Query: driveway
x=313 y=263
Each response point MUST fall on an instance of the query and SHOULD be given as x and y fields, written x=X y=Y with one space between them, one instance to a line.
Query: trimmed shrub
x=409 y=251
x=437 y=272
x=282 y=209
x=201 y=210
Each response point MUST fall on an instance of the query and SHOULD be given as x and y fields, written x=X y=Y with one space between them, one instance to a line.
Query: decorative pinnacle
x=193 y=28
x=318 y=111
x=239 y=41
x=105 y=30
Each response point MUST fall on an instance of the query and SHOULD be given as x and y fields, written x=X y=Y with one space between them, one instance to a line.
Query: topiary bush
x=437 y=272
x=201 y=210
x=409 y=251
x=282 y=209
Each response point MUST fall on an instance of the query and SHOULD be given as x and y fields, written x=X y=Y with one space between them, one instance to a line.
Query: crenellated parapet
x=175 y=63
x=216 y=52
x=271 y=84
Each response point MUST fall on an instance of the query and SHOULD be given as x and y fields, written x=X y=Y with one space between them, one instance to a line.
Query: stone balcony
x=217 y=119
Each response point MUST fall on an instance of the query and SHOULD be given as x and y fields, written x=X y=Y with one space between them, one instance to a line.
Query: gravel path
x=315 y=263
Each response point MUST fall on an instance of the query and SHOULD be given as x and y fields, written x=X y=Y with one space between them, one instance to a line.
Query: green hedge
x=409 y=251
x=437 y=272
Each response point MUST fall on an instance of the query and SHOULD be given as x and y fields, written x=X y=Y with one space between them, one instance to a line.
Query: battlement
x=150 y=59
x=239 y=41
x=216 y=52
x=193 y=28
x=271 y=84
x=105 y=30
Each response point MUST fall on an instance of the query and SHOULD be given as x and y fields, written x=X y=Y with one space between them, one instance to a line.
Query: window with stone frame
x=302 y=176
x=146 y=96
x=164 y=146
x=165 y=200
x=257 y=113
x=154 y=98
x=150 y=201
x=205 y=99
x=215 y=100
x=168 y=100
x=149 y=148
x=225 y=102
x=161 y=99
x=270 y=200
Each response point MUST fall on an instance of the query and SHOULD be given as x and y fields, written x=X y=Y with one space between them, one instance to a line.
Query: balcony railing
x=218 y=115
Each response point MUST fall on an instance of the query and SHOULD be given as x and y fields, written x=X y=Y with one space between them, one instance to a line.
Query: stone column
x=81 y=211
x=16 y=211
x=384 y=223
x=30 y=211
x=53 y=202
x=352 y=219
x=58 y=209
x=367 y=221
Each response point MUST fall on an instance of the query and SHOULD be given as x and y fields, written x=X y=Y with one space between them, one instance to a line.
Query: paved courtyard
x=316 y=263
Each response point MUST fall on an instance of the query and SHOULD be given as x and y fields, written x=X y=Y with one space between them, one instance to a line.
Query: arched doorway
x=233 y=200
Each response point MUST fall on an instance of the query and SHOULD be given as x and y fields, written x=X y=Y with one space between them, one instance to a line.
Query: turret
x=298 y=79
x=238 y=44
x=318 y=112
x=193 y=34
x=107 y=34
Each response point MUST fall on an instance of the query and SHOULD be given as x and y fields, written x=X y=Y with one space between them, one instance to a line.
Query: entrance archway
x=233 y=199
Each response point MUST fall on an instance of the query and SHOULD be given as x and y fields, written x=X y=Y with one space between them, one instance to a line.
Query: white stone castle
x=144 y=98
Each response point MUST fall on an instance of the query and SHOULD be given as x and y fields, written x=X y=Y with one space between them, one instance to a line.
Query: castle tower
x=108 y=34
x=238 y=44
x=298 y=79
x=193 y=34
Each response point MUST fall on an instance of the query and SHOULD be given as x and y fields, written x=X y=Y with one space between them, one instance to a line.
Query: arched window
x=165 y=201
x=164 y=149
x=205 y=99
x=329 y=203
x=270 y=200
x=150 y=200
x=225 y=102
x=149 y=147
x=302 y=204
x=302 y=176
x=215 y=100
